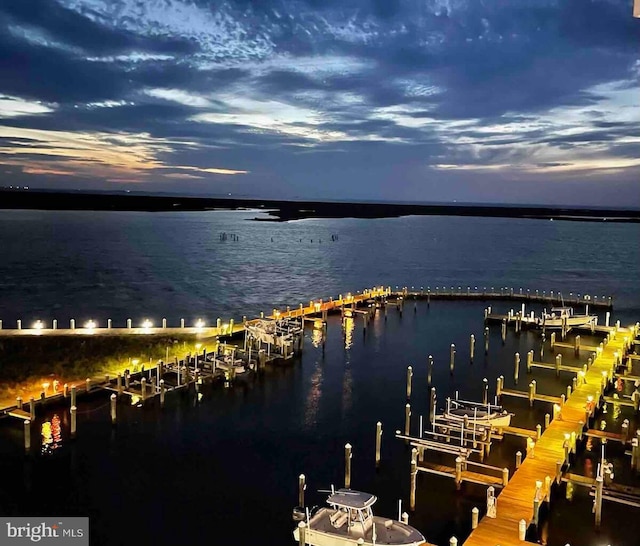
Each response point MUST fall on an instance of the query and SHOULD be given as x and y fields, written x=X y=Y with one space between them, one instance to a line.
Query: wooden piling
x=113 y=398
x=409 y=379
x=378 y=441
x=577 y=345
x=27 y=435
x=432 y=403
x=547 y=421
x=162 y=391
x=504 y=330
x=558 y=364
x=486 y=341
x=452 y=357
x=553 y=339
x=505 y=476
x=532 y=392
x=516 y=372
x=347 y=466
x=485 y=390
x=414 y=473
x=472 y=346
x=475 y=514
x=302 y=528
x=73 y=395
x=458 y=472
x=143 y=388
x=429 y=370
x=407 y=419
x=499 y=383
x=73 y=411
x=301 y=487
x=598 y=501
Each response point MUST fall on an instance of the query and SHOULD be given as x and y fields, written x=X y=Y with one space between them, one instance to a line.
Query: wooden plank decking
x=516 y=500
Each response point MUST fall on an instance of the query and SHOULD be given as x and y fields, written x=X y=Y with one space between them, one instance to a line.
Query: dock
x=516 y=502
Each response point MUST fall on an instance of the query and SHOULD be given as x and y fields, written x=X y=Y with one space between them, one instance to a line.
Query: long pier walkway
x=516 y=502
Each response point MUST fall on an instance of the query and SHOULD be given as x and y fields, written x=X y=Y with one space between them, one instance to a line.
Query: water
x=224 y=468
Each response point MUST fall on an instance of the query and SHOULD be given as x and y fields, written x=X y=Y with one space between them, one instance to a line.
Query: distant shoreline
x=285 y=210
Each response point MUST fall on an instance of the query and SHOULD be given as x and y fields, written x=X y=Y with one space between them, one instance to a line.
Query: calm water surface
x=223 y=468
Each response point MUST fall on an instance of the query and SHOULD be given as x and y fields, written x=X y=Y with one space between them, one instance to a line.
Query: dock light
x=198 y=345
x=45 y=386
x=135 y=361
x=90 y=324
x=38 y=325
x=146 y=324
x=199 y=323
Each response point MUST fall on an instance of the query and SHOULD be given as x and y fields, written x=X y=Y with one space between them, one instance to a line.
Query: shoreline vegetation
x=28 y=363
x=285 y=210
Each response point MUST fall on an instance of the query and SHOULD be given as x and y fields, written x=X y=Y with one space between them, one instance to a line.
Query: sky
x=499 y=101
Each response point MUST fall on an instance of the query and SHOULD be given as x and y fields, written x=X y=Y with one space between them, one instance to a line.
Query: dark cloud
x=359 y=90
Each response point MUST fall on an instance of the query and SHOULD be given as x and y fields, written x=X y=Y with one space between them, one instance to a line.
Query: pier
x=521 y=497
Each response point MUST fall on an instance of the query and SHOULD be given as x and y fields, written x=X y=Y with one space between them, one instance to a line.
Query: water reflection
x=317 y=338
x=347 y=386
x=313 y=396
x=348 y=324
x=51 y=435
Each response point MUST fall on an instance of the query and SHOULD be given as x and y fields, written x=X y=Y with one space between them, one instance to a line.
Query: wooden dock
x=515 y=503
x=466 y=475
x=519 y=295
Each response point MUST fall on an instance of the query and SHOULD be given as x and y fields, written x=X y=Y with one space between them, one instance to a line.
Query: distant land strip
x=284 y=210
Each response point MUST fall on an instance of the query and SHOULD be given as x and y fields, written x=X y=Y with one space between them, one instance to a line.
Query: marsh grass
x=26 y=363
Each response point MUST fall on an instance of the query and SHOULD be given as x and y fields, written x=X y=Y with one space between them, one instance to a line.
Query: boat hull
x=388 y=533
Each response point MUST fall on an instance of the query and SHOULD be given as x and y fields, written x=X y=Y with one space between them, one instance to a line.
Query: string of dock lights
x=92 y=325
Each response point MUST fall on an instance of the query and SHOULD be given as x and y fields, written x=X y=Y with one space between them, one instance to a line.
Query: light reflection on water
x=348 y=326
x=51 y=435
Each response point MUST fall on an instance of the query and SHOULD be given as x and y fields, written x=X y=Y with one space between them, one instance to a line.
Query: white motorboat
x=349 y=521
x=475 y=414
x=560 y=317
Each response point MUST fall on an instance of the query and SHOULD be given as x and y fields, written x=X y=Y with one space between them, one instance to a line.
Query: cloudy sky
x=530 y=101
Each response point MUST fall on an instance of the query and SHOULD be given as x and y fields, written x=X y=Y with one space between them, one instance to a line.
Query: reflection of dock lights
x=146 y=324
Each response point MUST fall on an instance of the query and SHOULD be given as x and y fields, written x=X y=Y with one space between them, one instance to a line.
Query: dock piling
x=516 y=372
x=598 y=500
x=32 y=408
x=301 y=487
x=475 y=514
x=452 y=357
x=409 y=379
x=432 y=404
x=429 y=370
x=302 y=527
x=472 y=347
x=73 y=395
x=162 y=391
x=518 y=459
x=414 y=473
x=378 y=441
x=458 y=472
x=486 y=340
x=504 y=330
x=27 y=435
x=73 y=411
x=347 y=466
x=113 y=398
x=407 y=418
